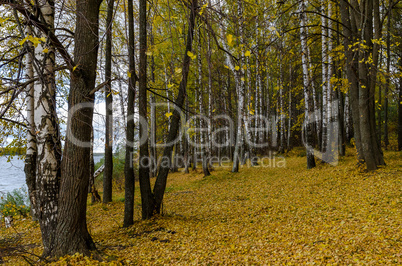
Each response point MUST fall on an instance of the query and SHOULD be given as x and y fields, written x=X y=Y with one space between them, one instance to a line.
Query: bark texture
x=147 y=201
x=72 y=233
x=361 y=21
x=306 y=85
x=30 y=159
x=129 y=178
x=47 y=135
x=108 y=173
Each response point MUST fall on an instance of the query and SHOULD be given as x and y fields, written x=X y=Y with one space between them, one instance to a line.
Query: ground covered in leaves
x=328 y=215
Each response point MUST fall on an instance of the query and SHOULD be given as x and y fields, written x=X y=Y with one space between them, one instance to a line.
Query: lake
x=12 y=174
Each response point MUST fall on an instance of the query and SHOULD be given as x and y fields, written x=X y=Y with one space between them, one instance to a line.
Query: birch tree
x=30 y=158
x=47 y=134
x=306 y=87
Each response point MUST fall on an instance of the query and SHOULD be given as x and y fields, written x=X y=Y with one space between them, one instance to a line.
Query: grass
x=327 y=215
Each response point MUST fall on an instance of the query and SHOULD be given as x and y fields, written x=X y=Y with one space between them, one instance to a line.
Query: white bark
x=30 y=161
x=324 y=63
x=31 y=139
x=281 y=108
x=303 y=37
x=48 y=149
x=329 y=71
x=239 y=85
x=209 y=139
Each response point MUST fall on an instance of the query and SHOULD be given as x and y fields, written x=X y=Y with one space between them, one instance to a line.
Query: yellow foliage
x=263 y=215
x=229 y=38
x=191 y=55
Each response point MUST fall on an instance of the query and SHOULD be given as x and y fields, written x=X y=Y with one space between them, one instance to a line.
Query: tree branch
x=33 y=20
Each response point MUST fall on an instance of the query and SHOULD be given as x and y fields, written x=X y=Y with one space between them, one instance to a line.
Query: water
x=12 y=174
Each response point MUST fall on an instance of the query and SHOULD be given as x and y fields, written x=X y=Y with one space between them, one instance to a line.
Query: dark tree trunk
x=147 y=201
x=72 y=234
x=400 y=117
x=205 y=164
x=349 y=38
x=91 y=183
x=341 y=123
x=129 y=181
x=362 y=75
x=186 y=144
x=160 y=184
x=108 y=173
x=154 y=155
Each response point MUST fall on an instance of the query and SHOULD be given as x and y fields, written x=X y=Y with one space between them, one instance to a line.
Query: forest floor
x=328 y=215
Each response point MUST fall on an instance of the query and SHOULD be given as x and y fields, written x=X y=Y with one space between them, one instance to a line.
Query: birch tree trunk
x=240 y=90
x=315 y=100
x=210 y=107
x=324 y=72
x=331 y=136
x=281 y=107
x=306 y=86
x=290 y=113
x=47 y=136
x=30 y=158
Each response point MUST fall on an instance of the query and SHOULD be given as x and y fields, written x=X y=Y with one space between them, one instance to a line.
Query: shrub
x=118 y=172
x=15 y=203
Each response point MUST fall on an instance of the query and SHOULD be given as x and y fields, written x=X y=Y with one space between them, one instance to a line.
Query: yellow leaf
x=129 y=74
x=191 y=55
x=75 y=67
x=148 y=53
x=23 y=41
x=178 y=70
x=202 y=8
x=237 y=68
x=170 y=85
x=168 y=114
x=45 y=50
x=248 y=53
x=3 y=20
x=229 y=37
x=277 y=34
x=226 y=67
